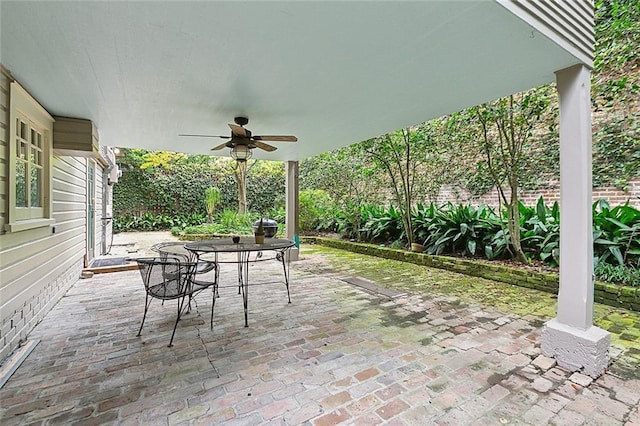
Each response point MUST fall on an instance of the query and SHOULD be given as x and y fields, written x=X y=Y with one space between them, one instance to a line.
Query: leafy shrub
x=616 y=234
x=381 y=224
x=278 y=214
x=422 y=218
x=155 y=222
x=479 y=231
x=461 y=229
x=618 y=274
x=540 y=229
x=227 y=222
x=314 y=205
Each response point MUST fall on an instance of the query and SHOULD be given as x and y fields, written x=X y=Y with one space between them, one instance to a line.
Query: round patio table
x=247 y=251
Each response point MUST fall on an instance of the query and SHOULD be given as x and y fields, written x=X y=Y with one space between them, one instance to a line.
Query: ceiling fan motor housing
x=241 y=120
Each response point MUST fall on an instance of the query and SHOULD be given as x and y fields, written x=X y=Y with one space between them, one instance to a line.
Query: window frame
x=23 y=107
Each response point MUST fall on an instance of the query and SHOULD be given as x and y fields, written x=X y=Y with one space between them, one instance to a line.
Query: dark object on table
x=270 y=226
x=236 y=239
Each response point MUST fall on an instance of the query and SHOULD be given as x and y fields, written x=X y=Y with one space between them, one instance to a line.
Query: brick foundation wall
x=550 y=194
x=16 y=326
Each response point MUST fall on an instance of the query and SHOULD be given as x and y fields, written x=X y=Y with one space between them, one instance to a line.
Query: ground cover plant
x=482 y=232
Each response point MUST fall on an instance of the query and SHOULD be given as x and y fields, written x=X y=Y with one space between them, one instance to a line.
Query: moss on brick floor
x=624 y=325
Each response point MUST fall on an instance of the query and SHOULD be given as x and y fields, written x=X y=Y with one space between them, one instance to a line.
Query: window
x=29 y=170
x=29 y=161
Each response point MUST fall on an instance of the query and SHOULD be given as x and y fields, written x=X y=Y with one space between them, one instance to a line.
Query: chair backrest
x=167 y=278
x=172 y=249
x=177 y=250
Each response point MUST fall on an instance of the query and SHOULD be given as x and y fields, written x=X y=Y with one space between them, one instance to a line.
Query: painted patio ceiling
x=331 y=73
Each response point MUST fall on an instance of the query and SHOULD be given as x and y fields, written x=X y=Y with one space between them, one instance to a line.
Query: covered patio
x=337 y=354
x=330 y=73
x=138 y=74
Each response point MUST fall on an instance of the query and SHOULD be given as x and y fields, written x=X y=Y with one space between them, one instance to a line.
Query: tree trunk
x=242 y=187
x=513 y=223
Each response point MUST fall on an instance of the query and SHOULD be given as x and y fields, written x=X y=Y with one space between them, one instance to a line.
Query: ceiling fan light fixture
x=241 y=153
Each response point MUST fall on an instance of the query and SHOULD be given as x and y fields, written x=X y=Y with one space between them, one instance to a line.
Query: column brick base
x=576 y=349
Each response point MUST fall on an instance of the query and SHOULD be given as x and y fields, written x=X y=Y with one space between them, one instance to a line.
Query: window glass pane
x=36 y=185
x=21 y=149
x=21 y=184
x=36 y=157
x=39 y=141
x=23 y=133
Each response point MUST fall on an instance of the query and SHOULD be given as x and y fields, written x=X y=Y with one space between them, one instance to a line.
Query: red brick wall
x=552 y=193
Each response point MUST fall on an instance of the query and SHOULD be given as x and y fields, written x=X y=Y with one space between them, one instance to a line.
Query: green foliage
x=616 y=155
x=540 y=229
x=231 y=219
x=464 y=230
x=617 y=33
x=315 y=205
x=381 y=224
x=618 y=274
x=278 y=214
x=616 y=234
x=171 y=183
x=400 y=156
x=348 y=220
x=226 y=222
x=155 y=222
x=265 y=186
x=212 y=196
x=423 y=216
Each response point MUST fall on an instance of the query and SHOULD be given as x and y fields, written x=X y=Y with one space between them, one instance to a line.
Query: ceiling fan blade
x=222 y=145
x=275 y=138
x=206 y=136
x=239 y=131
x=264 y=146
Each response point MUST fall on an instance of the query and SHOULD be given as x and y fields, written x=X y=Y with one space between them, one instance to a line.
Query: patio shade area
x=331 y=73
x=337 y=354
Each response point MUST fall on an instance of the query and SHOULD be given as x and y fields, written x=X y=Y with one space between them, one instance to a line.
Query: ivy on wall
x=165 y=183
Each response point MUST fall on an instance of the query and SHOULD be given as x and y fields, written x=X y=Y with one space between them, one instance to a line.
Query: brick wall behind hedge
x=550 y=194
x=608 y=294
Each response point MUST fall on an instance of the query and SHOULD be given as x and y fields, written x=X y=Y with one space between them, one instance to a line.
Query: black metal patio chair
x=167 y=279
x=200 y=281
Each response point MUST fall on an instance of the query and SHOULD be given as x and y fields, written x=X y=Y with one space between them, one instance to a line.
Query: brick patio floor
x=337 y=354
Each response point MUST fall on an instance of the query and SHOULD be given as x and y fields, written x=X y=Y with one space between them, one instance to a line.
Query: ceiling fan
x=242 y=141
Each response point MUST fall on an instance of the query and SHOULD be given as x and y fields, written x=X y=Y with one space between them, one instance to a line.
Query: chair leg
x=175 y=326
x=286 y=274
x=147 y=302
x=213 y=305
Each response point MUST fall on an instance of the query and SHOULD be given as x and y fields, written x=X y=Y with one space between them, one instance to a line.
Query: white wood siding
x=567 y=22
x=4 y=149
x=38 y=265
x=97 y=247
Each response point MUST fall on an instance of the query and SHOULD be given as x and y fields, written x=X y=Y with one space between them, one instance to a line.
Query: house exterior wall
x=4 y=137
x=38 y=265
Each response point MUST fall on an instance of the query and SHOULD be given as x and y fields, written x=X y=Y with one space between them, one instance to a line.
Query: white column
x=292 y=206
x=571 y=337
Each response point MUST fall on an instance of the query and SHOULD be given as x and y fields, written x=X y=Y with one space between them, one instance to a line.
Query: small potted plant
x=259 y=233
